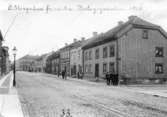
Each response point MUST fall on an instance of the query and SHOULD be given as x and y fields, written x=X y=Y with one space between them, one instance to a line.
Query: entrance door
x=74 y=70
x=96 y=70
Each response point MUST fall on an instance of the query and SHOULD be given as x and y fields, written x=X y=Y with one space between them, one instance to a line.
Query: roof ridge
x=133 y=20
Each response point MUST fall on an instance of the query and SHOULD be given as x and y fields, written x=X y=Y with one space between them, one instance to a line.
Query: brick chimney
x=95 y=34
x=132 y=17
x=83 y=39
x=74 y=40
x=120 y=22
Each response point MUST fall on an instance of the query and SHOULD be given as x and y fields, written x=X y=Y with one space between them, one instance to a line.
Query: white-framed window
x=105 y=52
x=104 y=67
x=97 y=53
x=145 y=34
x=112 y=51
x=111 y=67
x=90 y=68
x=159 y=52
x=90 y=54
x=158 y=68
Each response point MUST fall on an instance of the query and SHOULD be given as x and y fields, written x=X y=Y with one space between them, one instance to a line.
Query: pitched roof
x=29 y=57
x=53 y=55
x=76 y=44
x=112 y=34
x=73 y=45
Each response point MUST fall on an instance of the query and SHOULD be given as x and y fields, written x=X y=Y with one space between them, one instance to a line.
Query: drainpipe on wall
x=70 y=61
x=117 y=59
x=83 y=63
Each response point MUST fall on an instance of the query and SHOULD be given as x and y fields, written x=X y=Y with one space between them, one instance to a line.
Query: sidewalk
x=9 y=102
x=154 y=93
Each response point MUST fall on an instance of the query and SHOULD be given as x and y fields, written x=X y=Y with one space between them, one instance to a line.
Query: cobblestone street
x=44 y=95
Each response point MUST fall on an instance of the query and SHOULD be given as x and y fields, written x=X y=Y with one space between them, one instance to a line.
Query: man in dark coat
x=107 y=78
x=58 y=74
x=115 y=79
x=111 y=77
x=63 y=74
x=78 y=75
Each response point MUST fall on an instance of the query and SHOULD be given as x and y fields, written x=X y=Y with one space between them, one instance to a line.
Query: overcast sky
x=38 y=32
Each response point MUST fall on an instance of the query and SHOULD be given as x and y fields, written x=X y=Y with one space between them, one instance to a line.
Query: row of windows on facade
x=158 y=50
x=73 y=54
x=88 y=55
x=88 y=68
x=65 y=54
x=158 y=53
x=75 y=57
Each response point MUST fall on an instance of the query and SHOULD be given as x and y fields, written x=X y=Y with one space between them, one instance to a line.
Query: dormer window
x=145 y=34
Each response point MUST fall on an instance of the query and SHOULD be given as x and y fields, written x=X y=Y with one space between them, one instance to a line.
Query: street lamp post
x=14 y=68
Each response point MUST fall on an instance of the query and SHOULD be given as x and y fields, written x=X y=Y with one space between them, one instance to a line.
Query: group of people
x=111 y=78
x=79 y=75
x=63 y=74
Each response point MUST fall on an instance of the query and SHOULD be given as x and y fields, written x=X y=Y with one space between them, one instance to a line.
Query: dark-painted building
x=53 y=63
x=4 y=58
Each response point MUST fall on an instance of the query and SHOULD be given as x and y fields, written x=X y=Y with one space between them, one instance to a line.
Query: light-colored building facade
x=134 y=50
x=96 y=64
x=66 y=63
x=76 y=54
x=33 y=63
x=76 y=61
x=26 y=63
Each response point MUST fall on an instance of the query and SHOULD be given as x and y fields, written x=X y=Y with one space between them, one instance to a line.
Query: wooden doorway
x=96 y=70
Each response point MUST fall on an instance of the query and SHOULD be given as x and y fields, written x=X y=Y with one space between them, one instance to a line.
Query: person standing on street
x=107 y=78
x=111 y=77
x=78 y=75
x=63 y=74
x=58 y=74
